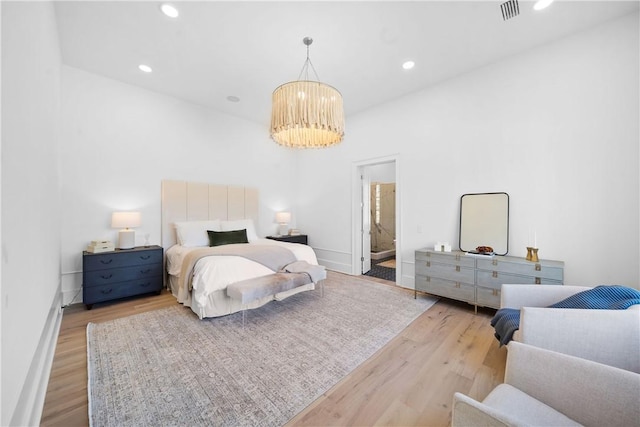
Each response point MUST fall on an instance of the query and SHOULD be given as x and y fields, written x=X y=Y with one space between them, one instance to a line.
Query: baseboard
x=334 y=260
x=334 y=266
x=28 y=412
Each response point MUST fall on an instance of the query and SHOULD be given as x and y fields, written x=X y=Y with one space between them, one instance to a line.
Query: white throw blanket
x=272 y=257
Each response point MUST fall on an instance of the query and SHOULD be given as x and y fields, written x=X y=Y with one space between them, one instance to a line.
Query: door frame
x=356 y=212
x=365 y=217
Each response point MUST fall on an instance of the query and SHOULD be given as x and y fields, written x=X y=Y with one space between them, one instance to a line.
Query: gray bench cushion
x=249 y=290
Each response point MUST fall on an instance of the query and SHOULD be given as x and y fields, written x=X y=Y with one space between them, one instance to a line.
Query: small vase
x=529 y=249
x=534 y=255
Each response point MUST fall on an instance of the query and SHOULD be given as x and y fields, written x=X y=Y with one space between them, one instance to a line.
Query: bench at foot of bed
x=247 y=291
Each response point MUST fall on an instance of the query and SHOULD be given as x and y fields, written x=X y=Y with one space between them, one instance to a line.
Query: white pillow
x=240 y=224
x=194 y=233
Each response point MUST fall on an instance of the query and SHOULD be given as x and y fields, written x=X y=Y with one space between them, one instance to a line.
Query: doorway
x=376 y=228
x=383 y=227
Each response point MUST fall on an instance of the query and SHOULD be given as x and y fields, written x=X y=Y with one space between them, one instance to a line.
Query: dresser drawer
x=454 y=258
x=546 y=269
x=455 y=273
x=113 y=291
x=446 y=288
x=114 y=275
x=488 y=297
x=495 y=279
x=121 y=259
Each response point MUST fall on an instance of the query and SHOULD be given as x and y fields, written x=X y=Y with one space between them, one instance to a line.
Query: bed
x=189 y=210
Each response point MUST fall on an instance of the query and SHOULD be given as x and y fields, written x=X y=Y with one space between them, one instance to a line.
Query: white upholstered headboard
x=194 y=201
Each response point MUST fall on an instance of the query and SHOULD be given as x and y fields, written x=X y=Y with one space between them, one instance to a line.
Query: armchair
x=543 y=387
x=611 y=337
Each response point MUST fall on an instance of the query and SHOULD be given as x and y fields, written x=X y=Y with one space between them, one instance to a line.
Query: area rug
x=389 y=264
x=166 y=367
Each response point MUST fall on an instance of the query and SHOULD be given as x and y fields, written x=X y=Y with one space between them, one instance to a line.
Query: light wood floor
x=409 y=382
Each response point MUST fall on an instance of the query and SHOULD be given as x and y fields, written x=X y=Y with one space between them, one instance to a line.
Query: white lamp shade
x=125 y=219
x=283 y=217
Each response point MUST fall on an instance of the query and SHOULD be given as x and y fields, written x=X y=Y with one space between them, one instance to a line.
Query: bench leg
x=244 y=317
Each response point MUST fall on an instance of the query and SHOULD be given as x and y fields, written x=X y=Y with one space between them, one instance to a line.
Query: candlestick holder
x=534 y=255
x=529 y=249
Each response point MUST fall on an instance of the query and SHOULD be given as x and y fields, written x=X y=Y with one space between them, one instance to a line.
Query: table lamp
x=283 y=218
x=126 y=221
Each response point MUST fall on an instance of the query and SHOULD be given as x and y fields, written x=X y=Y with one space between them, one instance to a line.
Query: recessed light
x=542 y=4
x=232 y=98
x=408 y=65
x=169 y=10
x=144 y=68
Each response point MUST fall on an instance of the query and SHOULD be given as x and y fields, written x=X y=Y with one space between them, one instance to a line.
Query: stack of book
x=97 y=246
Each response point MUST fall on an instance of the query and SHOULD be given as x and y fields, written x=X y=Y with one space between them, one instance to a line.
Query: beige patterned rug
x=166 y=367
x=389 y=264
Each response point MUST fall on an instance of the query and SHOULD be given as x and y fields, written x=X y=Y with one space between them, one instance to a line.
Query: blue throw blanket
x=507 y=320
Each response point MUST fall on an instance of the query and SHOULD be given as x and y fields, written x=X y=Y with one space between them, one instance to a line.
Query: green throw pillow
x=217 y=238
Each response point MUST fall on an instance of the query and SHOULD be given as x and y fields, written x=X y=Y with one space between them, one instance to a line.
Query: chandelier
x=307 y=113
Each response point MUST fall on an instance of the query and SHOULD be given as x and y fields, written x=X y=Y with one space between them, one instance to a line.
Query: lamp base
x=126 y=239
x=283 y=229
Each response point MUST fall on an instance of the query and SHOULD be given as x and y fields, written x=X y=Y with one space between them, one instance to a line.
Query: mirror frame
x=484 y=221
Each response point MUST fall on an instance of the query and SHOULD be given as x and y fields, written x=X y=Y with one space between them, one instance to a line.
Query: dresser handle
x=428 y=278
x=494 y=274
x=428 y=263
x=537 y=280
x=494 y=262
x=106 y=262
x=148 y=270
x=538 y=267
x=457 y=268
x=145 y=257
x=457 y=257
x=106 y=277
x=144 y=285
x=104 y=291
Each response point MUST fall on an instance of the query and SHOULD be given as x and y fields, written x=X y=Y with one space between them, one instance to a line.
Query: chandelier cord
x=307 y=63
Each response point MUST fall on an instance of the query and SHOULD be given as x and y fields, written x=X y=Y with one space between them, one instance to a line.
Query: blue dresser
x=122 y=273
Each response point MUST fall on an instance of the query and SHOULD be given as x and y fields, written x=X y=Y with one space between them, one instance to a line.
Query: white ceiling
x=247 y=49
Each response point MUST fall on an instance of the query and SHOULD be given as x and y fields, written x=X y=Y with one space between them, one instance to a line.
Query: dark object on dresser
x=113 y=275
x=300 y=238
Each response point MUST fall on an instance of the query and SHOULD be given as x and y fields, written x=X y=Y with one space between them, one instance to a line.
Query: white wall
x=30 y=207
x=120 y=141
x=384 y=172
x=555 y=127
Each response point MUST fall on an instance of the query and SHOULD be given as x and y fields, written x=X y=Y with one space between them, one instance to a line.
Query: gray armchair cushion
x=611 y=337
x=543 y=387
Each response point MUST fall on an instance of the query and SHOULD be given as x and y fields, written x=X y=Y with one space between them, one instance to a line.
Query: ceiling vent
x=510 y=9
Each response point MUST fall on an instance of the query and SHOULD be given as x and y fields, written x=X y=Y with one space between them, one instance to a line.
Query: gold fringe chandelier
x=307 y=113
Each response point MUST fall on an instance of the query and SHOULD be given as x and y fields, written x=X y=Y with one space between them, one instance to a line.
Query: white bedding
x=213 y=274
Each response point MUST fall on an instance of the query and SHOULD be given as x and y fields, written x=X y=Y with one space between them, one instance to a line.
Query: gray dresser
x=477 y=279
